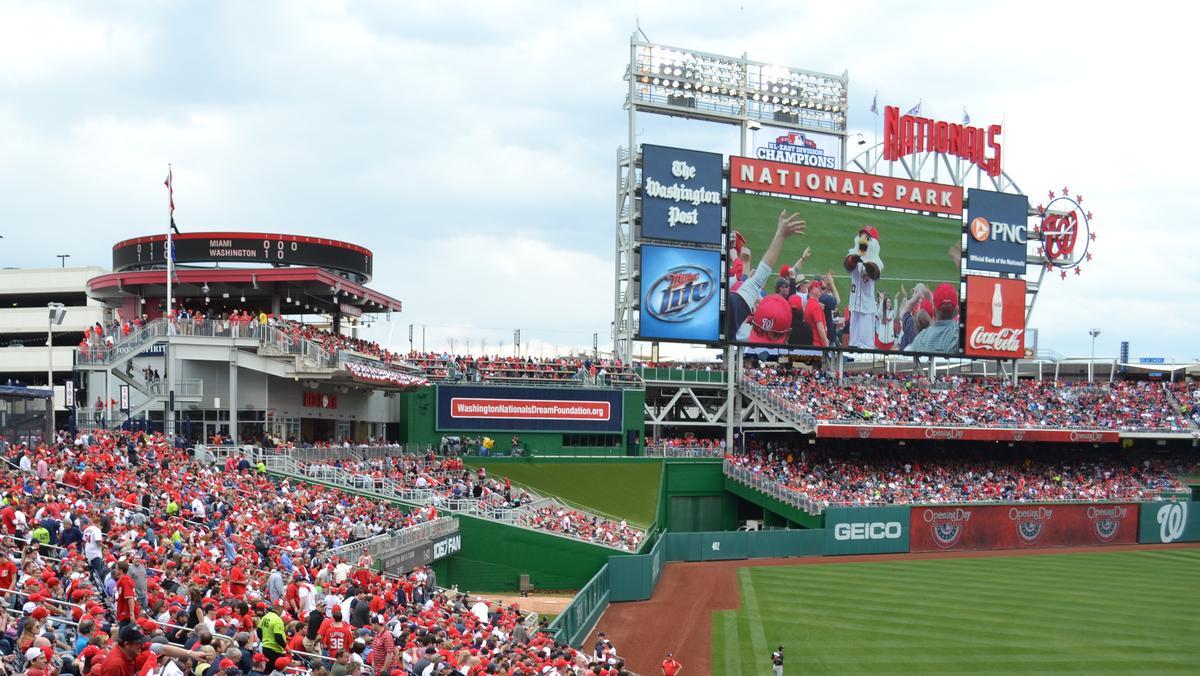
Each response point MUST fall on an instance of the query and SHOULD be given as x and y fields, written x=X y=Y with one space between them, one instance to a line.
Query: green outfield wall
x=418 y=424
x=495 y=555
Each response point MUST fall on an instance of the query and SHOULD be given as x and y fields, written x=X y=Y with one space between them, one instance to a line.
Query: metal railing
x=806 y=422
x=775 y=489
x=389 y=489
x=796 y=497
x=387 y=543
x=668 y=451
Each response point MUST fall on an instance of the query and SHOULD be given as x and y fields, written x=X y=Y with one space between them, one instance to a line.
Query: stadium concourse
x=126 y=555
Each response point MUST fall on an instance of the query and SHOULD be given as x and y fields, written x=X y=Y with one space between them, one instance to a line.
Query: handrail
x=388 y=489
x=797 y=498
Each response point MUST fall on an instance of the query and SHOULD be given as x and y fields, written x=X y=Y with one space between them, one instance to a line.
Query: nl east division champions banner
x=996 y=231
x=681 y=195
x=1019 y=526
x=858 y=278
x=679 y=294
x=482 y=408
x=808 y=148
x=995 y=325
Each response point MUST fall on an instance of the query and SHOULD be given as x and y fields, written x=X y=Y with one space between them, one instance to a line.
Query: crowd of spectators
x=906 y=478
x=906 y=399
x=451 y=481
x=1188 y=397
x=497 y=369
x=127 y=556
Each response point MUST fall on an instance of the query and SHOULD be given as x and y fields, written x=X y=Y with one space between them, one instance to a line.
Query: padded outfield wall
x=614 y=425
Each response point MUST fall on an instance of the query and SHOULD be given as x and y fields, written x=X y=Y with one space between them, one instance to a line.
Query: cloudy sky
x=471 y=145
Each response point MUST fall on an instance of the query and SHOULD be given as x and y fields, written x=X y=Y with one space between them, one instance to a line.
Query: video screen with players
x=813 y=275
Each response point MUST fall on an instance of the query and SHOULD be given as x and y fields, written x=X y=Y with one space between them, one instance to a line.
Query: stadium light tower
x=1092 y=364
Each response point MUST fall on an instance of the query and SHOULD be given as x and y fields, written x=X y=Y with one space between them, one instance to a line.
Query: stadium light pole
x=1092 y=364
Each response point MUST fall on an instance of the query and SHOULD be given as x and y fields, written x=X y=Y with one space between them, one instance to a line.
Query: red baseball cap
x=796 y=301
x=772 y=321
x=870 y=230
x=785 y=271
x=945 y=295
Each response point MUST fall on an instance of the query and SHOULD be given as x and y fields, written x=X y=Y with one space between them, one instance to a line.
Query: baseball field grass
x=1087 y=613
x=913 y=248
x=625 y=490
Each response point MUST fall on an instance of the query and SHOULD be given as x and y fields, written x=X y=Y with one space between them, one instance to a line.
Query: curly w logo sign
x=1169 y=522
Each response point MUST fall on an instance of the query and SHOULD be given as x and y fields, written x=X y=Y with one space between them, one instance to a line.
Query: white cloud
x=40 y=42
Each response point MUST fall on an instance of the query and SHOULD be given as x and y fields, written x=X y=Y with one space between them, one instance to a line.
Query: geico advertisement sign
x=866 y=530
x=878 y=530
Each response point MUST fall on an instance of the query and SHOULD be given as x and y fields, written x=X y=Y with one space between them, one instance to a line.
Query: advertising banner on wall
x=484 y=408
x=1168 y=522
x=933 y=432
x=681 y=195
x=1021 y=526
x=680 y=294
x=866 y=530
x=995 y=324
x=861 y=279
x=747 y=173
x=996 y=231
x=811 y=149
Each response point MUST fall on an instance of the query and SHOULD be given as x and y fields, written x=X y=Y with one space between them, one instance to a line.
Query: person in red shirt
x=814 y=316
x=8 y=516
x=8 y=574
x=237 y=579
x=671 y=666
x=338 y=636
x=127 y=608
x=127 y=657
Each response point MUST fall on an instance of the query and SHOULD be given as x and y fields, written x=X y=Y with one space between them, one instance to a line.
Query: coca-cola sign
x=995 y=318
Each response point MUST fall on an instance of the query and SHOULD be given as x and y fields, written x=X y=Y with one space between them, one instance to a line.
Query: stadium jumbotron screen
x=858 y=278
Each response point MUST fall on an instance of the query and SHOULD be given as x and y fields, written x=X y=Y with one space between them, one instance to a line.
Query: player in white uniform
x=865 y=267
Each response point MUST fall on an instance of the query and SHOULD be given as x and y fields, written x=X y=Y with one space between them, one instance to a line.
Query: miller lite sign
x=679 y=295
x=995 y=321
x=907 y=134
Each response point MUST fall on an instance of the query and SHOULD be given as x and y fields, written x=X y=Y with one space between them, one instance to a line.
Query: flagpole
x=170 y=243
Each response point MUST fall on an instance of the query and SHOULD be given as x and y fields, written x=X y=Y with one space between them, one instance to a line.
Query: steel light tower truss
x=695 y=85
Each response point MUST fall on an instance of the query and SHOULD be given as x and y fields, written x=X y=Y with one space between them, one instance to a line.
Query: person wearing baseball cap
x=128 y=656
x=746 y=297
x=772 y=321
x=942 y=335
x=671 y=666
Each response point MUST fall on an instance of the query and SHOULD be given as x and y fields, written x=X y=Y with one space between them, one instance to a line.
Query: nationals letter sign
x=995 y=317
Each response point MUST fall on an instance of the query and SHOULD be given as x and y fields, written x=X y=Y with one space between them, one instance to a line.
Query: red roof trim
x=241 y=276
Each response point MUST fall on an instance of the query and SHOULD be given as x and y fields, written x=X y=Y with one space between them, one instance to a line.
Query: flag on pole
x=875 y=103
x=174 y=228
x=915 y=110
x=966 y=117
x=170 y=195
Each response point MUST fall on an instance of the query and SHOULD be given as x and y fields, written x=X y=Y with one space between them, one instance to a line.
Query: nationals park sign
x=843 y=186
